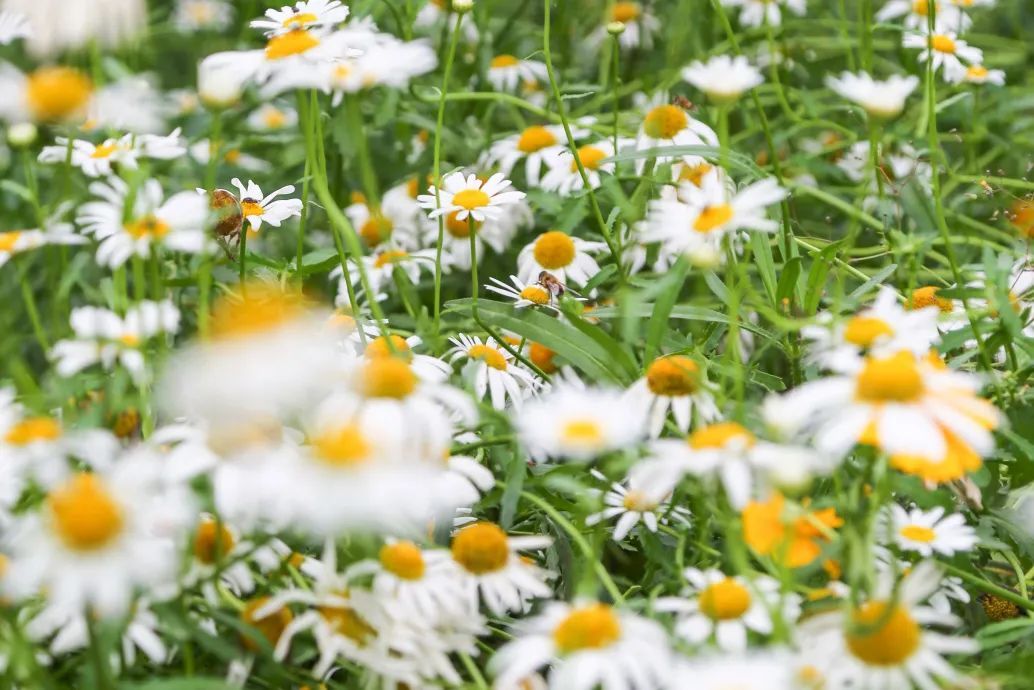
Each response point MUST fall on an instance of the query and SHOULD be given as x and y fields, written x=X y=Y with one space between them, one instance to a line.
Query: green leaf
x=319 y=261
x=765 y=263
x=669 y=294
x=682 y=311
x=788 y=279
x=193 y=683
x=1004 y=632
x=876 y=280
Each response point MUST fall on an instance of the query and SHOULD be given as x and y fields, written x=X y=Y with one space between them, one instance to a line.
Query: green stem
x=358 y=127
x=31 y=310
x=989 y=587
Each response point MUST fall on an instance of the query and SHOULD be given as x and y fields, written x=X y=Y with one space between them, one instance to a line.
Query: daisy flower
x=258 y=209
x=219 y=554
x=436 y=13
x=978 y=74
x=674 y=383
x=497 y=232
x=507 y=72
x=761 y=12
x=202 y=150
x=639 y=24
x=492 y=370
x=68 y=631
x=470 y=197
x=946 y=50
x=926 y=417
x=386 y=62
x=305 y=14
x=380 y=270
x=696 y=223
x=563 y=176
x=668 y=125
x=881 y=99
x=534 y=144
x=54 y=231
x=490 y=564
x=565 y=257
x=103 y=337
x=916 y=14
x=725 y=608
x=107 y=24
x=202 y=15
x=883 y=643
x=424 y=366
x=270 y=117
x=95 y=160
x=524 y=294
x=928 y=532
x=49 y=94
x=576 y=423
x=723 y=78
x=631 y=507
x=177 y=222
x=13 y=25
x=585 y=644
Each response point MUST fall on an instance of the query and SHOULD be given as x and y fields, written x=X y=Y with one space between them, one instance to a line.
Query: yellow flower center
x=554 y=249
x=942 y=43
x=504 y=61
x=639 y=502
x=927 y=297
x=590 y=156
x=535 y=138
x=250 y=207
x=273 y=118
x=720 y=435
x=583 y=433
x=489 y=355
x=129 y=340
x=343 y=446
x=543 y=357
x=376 y=229
x=460 y=229
x=921 y=7
x=891 y=379
x=388 y=377
x=85 y=516
x=976 y=72
x=864 y=330
x=104 y=150
x=471 y=199
x=378 y=347
x=535 y=294
x=625 y=12
x=213 y=542
x=271 y=626
x=724 y=600
x=294 y=42
x=590 y=627
x=881 y=637
x=147 y=227
x=694 y=174
x=345 y=621
x=918 y=533
x=403 y=560
x=32 y=430
x=481 y=548
x=389 y=257
x=261 y=307
x=713 y=217
x=56 y=93
x=300 y=19
x=8 y=240
x=665 y=121
x=673 y=376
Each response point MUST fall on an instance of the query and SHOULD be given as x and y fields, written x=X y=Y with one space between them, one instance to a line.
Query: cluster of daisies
x=295 y=410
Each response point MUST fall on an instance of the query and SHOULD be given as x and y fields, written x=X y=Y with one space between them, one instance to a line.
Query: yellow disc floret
x=881 y=636
x=665 y=121
x=890 y=379
x=724 y=600
x=85 y=516
x=721 y=435
x=673 y=376
x=403 y=559
x=553 y=250
x=57 y=93
x=388 y=377
x=481 y=548
x=590 y=627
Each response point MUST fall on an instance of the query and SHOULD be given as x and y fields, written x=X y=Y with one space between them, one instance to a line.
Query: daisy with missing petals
x=978 y=74
x=305 y=14
x=563 y=176
x=177 y=222
x=716 y=606
x=493 y=371
x=667 y=125
x=470 y=197
x=928 y=532
x=524 y=294
x=926 y=417
x=631 y=507
x=883 y=643
x=270 y=117
x=489 y=563
x=573 y=422
x=946 y=50
x=696 y=223
x=675 y=383
x=507 y=72
x=585 y=644
x=723 y=78
x=881 y=99
x=565 y=257
x=258 y=209
x=54 y=231
x=762 y=12
x=535 y=144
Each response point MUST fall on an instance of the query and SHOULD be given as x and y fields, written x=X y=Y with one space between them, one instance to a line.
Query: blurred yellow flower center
x=553 y=250
x=591 y=627
x=891 y=379
x=927 y=297
x=584 y=433
x=403 y=560
x=375 y=230
x=535 y=294
x=104 y=151
x=147 y=227
x=32 y=430
x=8 y=240
x=378 y=347
x=345 y=621
x=639 y=502
x=721 y=435
x=389 y=257
x=270 y=626
x=918 y=533
x=294 y=42
x=590 y=156
x=942 y=43
x=713 y=217
x=724 y=600
x=300 y=19
x=665 y=121
x=344 y=446
x=250 y=207
x=388 y=377
x=504 y=61
x=673 y=376
x=471 y=199
x=863 y=331
x=261 y=307
x=625 y=12
x=85 y=516
x=481 y=548
x=543 y=357
x=921 y=7
x=129 y=339
x=534 y=139
x=460 y=228
x=976 y=72
x=56 y=93
x=880 y=637
x=273 y=118
x=489 y=355
x=694 y=174
x=212 y=542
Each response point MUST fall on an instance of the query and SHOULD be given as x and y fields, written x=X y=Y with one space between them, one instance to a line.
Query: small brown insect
x=551 y=284
x=683 y=102
x=229 y=216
